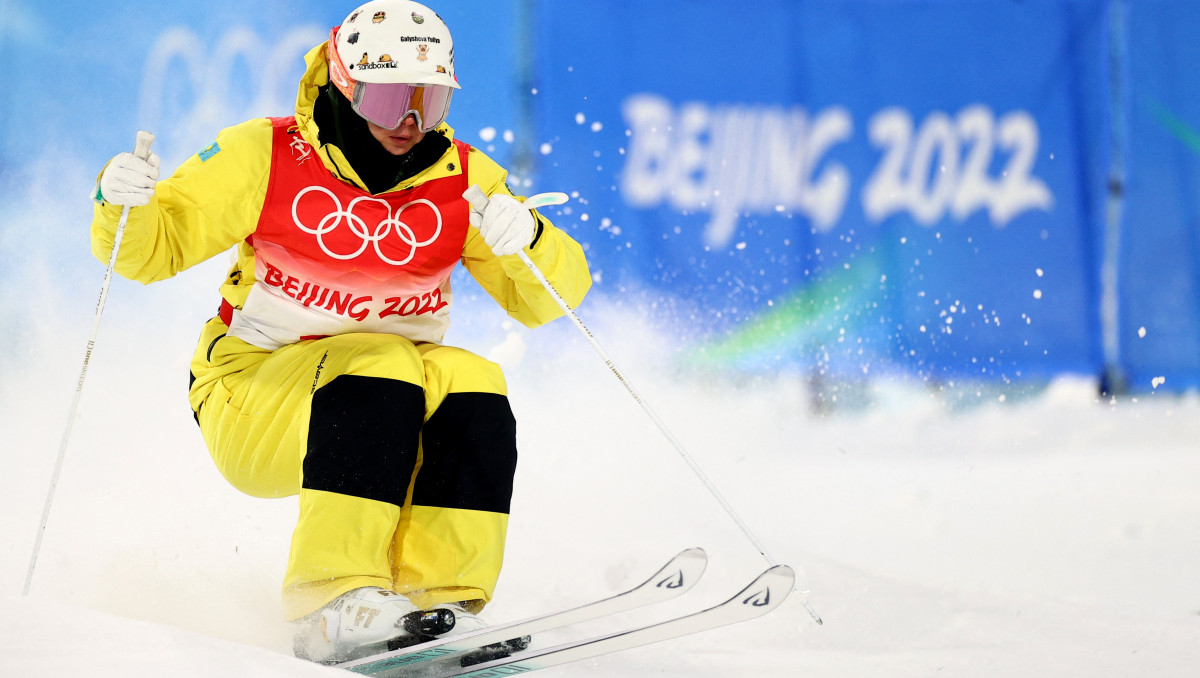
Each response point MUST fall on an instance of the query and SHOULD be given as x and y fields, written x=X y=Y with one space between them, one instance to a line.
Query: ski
x=763 y=595
x=673 y=579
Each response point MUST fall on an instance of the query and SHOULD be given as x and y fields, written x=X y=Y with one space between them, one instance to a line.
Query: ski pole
x=479 y=200
x=141 y=149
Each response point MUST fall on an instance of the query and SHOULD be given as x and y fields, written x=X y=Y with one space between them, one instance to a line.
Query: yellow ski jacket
x=215 y=199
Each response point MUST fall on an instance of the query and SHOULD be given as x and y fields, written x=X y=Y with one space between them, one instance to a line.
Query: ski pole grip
x=479 y=199
x=141 y=148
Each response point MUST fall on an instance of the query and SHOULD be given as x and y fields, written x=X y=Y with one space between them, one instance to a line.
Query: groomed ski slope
x=1040 y=534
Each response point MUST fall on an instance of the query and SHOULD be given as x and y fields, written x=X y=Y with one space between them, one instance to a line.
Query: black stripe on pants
x=469 y=454
x=363 y=436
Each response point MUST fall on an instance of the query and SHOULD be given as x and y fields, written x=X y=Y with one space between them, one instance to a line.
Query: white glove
x=129 y=180
x=506 y=225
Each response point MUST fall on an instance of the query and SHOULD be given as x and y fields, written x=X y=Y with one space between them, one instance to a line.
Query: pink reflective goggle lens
x=387 y=104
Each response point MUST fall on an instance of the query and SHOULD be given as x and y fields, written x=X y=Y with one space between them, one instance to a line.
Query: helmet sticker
x=353 y=38
x=417 y=18
x=385 y=61
x=422 y=52
x=354 y=16
x=379 y=17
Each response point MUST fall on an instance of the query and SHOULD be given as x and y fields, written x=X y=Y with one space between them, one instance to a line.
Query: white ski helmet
x=392 y=59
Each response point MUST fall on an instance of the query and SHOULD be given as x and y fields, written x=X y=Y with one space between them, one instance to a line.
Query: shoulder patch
x=209 y=151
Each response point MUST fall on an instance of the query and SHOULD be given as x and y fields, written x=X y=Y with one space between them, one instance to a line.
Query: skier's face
x=400 y=140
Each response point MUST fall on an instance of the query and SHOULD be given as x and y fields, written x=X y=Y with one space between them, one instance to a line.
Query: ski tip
x=770 y=589
x=780 y=581
x=780 y=575
x=683 y=571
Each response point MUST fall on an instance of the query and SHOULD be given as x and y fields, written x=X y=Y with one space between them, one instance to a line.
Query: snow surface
x=939 y=532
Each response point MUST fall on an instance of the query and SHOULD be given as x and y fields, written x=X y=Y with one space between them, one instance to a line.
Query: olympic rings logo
x=370 y=237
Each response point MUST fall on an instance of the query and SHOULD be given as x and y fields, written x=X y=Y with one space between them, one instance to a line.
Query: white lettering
x=643 y=181
x=735 y=161
x=731 y=161
x=925 y=172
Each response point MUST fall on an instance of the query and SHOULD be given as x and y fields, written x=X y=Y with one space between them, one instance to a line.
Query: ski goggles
x=387 y=104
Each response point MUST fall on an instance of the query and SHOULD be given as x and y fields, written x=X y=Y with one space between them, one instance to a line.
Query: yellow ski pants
x=402 y=456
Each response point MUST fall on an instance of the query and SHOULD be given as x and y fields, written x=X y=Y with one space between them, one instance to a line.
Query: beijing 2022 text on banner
x=860 y=187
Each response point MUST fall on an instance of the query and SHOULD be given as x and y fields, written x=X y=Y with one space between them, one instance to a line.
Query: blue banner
x=855 y=187
x=1159 y=262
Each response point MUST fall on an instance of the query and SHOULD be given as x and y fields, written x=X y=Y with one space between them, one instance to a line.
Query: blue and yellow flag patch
x=209 y=151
